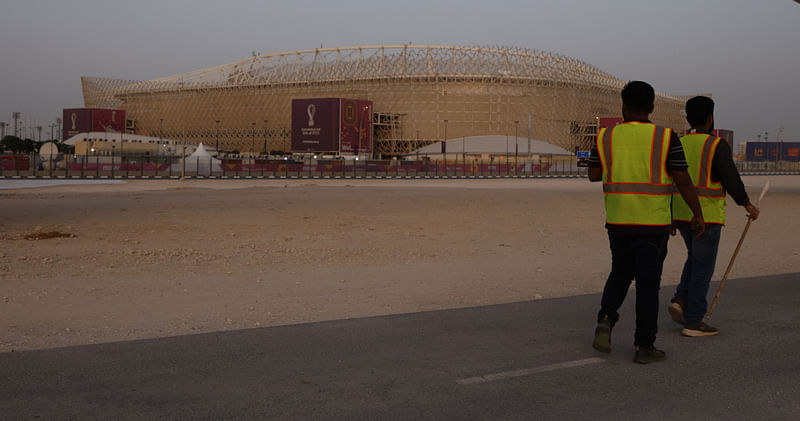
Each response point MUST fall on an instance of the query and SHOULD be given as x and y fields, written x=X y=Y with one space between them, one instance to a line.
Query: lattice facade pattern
x=421 y=94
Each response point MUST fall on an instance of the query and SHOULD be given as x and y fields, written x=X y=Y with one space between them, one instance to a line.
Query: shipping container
x=773 y=151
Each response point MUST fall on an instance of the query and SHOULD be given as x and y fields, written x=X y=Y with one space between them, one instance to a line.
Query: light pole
x=444 y=146
x=506 y=150
x=161 y=141
x=253 y=140
x=39 y=129
x=265 y=136
x=516 y=143
x=15 y=115
x=58 y=135
x=216 y=146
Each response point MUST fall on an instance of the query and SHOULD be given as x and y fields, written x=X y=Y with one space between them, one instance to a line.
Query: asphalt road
x=529 y=360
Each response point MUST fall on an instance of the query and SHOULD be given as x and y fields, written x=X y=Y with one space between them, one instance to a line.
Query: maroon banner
x=15 y=162
x=609 y=121
x=315 y=125
x=104 y=120
x=356 y=127
x=84 y=120
x=76 y=120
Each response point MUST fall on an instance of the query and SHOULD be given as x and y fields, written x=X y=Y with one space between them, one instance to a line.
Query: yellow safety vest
x=699 y=149
x=637 y=188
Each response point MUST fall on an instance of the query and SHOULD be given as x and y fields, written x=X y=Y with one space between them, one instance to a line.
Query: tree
x=17 y=145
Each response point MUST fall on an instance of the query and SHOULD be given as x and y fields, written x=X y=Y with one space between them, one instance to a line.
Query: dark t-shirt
x=676 y=160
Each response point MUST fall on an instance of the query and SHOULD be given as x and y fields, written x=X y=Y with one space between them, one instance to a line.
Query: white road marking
x=529 y=371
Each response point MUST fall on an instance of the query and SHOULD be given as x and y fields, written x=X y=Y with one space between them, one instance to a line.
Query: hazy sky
x=747 y=53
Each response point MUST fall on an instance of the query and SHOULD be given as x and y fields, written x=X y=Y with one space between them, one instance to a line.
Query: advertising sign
x=108 y=120
x=609 y=122
x=315 y=125
x=773 y=151
x=761 y=151
x=76 y=120
x=84 y=120
x=356 y=127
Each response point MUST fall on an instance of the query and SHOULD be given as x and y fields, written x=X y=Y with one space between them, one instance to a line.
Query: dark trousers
x=640 y=258
x=697 y=271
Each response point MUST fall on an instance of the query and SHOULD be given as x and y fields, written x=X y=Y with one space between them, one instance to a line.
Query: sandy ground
x=144 y=259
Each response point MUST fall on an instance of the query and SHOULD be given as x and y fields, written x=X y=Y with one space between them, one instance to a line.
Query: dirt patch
x=48 y=235
x=150 y=262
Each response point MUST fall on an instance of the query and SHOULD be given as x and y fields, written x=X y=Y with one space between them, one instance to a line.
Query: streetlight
x=464 y=152
x=265 y=136
x=253 y=139
x=252 y=148
x=161 y=140
x=217 y=139
x=15 y=115
x=516 y=140
x=506 y=149
x=444 y=146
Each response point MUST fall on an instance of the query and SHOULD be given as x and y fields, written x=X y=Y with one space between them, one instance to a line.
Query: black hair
x=698 y=109
x=638 y=96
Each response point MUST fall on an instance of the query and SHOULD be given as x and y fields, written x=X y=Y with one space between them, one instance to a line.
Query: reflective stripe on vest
x=635 y=194
x=711 y=194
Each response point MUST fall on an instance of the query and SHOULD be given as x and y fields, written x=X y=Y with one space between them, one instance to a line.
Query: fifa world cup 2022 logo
x=311 y=110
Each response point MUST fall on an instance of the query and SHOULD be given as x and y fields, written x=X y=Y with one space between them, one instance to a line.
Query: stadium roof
x=381 y=62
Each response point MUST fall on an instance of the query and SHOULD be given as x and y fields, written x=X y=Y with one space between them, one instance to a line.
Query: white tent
x=200 y=162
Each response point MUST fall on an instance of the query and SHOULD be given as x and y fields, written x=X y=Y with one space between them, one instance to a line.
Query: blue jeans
x=697 y=271
x=639 y=257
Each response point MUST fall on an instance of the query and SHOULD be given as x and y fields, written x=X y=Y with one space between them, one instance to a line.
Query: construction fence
x=89 y=166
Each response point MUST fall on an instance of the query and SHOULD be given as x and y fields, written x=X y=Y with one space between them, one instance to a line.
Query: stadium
x=422 y=94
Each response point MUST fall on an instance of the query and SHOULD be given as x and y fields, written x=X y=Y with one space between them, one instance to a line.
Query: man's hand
x=698 y=225
x=752 y=211
x=684 y=184
x=673 y=230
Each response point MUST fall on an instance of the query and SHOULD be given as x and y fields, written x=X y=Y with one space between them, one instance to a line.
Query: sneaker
x=649 y=355
x=602 y=336
x=676 y=307
x=699 y=329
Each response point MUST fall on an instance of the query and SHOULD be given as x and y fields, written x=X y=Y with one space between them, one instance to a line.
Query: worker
x=637 y=162
x=713 y=173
